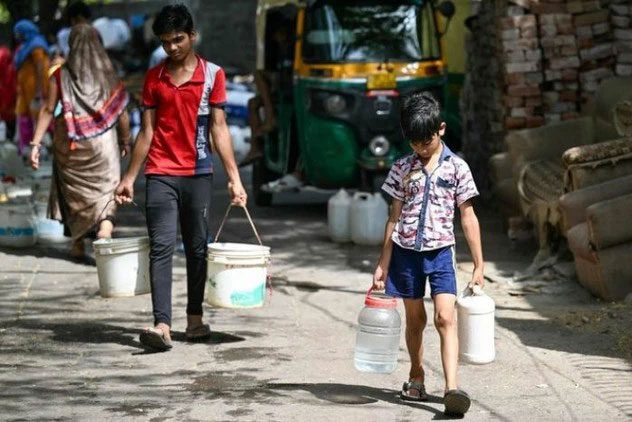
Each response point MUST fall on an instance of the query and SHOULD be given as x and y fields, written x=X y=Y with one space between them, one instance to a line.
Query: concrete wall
x=227 y=27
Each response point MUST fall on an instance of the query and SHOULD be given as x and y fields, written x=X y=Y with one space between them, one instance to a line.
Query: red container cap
x=382 y=301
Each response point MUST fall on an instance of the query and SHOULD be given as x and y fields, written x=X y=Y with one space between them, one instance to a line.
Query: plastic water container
x=475 y=312
x=367 y=218
x=338 y=208
x=123 y=266
x=377 y=341
x=17 y=225
x=48 y=231
x=237 y=275
x=3 y=131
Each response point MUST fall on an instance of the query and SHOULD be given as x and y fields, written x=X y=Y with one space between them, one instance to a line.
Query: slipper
x=154 y=339
x=198 y=333
x=457 y=402
x=413 y=391
x=285 y=183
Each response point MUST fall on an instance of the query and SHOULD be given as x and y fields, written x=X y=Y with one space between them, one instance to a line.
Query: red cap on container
x=382 y=301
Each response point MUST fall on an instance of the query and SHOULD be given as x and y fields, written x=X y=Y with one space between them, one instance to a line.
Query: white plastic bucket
x=237 y=274
x=123 y=266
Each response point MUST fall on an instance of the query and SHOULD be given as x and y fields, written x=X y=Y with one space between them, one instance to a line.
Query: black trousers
x=170 y=197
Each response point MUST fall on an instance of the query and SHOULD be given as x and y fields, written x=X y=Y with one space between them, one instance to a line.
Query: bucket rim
x=233 y=247
x=120 y=242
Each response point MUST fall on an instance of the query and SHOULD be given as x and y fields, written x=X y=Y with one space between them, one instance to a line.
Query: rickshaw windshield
x=369 y=31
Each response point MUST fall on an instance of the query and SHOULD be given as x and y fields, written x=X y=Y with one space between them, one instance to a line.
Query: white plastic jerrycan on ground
x=338 y=208
x=475 y=312
x=367 y=218
x=377 y=340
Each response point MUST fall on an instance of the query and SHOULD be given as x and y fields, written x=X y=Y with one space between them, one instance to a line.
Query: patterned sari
x=85 y=146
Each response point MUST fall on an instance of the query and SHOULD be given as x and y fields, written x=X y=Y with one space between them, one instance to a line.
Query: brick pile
x=596 y=47
x=521 y=60
x=561 y=63
x=621 y=19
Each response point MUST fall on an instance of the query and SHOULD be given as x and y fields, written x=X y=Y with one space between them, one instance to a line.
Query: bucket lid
x=379 y=300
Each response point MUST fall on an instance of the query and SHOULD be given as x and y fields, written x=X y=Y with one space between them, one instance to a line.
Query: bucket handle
x=230 y=206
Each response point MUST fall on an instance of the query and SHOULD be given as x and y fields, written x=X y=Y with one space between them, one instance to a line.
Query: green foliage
x=5 y=16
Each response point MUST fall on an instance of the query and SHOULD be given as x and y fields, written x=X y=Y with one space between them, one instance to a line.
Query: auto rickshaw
x=339 y=69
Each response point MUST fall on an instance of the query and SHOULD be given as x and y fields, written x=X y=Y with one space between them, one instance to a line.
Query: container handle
x=254 y=229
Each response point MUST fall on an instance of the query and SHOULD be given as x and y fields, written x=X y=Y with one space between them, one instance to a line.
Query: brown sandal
x=198 y=333
x=154 y=339
x=413 y=391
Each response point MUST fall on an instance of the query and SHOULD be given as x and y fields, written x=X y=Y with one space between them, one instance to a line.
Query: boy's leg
x=441 y=269
x=415 y=323
x=162 y=217
x=445 y=322
x=194 y=210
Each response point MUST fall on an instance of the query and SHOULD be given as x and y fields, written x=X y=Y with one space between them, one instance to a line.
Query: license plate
x=381 y=81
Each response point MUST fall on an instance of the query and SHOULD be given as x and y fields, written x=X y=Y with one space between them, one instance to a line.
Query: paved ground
x=66 y=353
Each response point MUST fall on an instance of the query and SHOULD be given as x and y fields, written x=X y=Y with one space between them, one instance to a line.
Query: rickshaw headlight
x=335 y=104
x=379 y=146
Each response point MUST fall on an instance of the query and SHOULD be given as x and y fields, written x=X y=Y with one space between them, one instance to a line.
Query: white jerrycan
x=338 y=208
x=368 y=216
x=475 y=313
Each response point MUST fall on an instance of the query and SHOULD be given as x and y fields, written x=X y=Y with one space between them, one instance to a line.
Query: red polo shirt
x=180 y=145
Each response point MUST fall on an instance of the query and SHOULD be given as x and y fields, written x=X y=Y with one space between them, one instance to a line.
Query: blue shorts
x=409 y=269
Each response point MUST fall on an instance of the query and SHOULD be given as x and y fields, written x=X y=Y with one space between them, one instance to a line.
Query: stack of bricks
x=621 y=19
x=521 y=60
x=560 y=94
x=481 y=98
x=594 y=40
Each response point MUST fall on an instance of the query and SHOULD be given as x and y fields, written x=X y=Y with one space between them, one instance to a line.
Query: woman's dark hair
x=173 y=18
x=420 y=117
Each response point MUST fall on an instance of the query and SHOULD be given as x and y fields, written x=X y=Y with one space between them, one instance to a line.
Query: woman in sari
x=86 y=146
x=31 y=62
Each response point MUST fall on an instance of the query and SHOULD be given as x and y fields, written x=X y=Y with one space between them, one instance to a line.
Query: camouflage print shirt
x=429 y=201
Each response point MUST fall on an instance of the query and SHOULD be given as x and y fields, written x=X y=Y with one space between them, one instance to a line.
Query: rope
x=254 y=229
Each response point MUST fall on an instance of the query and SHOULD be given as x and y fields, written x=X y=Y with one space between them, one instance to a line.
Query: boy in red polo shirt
x=183 y=102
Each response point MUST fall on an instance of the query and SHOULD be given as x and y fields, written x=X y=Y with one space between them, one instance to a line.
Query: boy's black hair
x=78 y=9
x=420 y=117
x=173 y=18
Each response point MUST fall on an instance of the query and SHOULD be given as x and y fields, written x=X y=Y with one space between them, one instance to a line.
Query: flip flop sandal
x=457 y=402
x=155 y=340
x=418 y=387
x=198 y=333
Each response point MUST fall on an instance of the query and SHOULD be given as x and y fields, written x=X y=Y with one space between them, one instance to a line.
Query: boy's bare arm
x=125 y=189
x=379 y=276
x=472 y=231
x=220 y=136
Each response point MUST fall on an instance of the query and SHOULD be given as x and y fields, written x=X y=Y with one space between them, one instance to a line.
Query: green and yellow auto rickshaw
x=336 y=72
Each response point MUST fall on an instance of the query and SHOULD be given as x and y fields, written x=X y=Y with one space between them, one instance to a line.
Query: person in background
x=86 y=146
x=183 y=100
x=31 y=62
x=76 y=13
x=7 y=91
